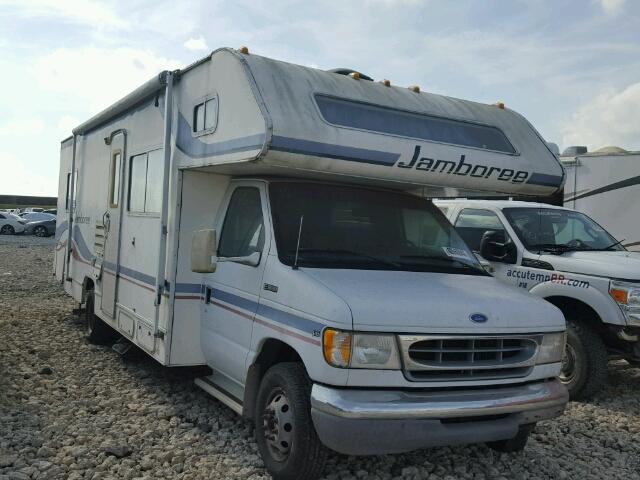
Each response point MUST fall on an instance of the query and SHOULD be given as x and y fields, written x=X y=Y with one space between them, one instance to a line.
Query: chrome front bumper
x=362 y=421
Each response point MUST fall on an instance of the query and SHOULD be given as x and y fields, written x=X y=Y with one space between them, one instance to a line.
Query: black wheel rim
x=5 y=230
x=39 y=232
x=278 y=426
x=569 y=368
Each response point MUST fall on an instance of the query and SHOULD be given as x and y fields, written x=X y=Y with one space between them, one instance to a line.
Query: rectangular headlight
x=627 y=296
x=375 y=351
x=360 y=350
x=552 y=348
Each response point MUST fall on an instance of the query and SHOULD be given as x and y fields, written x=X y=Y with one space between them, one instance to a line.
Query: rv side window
x=374 y=118
x=198 y=118
x=68 y=196
x=145 y=182
x=114 y=189
x=243 y=228
x=205 y=116
x=473 y=223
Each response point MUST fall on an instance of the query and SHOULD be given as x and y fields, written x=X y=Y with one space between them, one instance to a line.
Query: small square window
x=198 y=118
x=211 y=113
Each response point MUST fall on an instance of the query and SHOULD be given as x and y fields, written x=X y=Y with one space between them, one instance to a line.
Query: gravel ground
x=72 y=410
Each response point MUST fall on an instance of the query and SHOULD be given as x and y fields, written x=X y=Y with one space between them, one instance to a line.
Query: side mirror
x=496 y=247
x=203 y=251
x=253 y=260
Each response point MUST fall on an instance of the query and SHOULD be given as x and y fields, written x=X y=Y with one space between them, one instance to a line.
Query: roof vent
x=574 y=150
x=610 y=150
x=350 y=71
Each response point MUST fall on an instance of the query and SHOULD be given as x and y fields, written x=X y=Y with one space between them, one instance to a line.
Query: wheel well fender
x=271 y=352
x=597 y=303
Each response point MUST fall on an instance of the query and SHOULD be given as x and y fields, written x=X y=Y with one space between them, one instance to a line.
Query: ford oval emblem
x=478 y=317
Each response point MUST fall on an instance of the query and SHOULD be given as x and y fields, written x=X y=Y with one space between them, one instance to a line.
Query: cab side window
x=243 y=228
x=473 y=223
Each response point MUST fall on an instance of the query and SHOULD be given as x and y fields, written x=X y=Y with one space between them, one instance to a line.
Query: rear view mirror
x=203 y=251
x=497 y=247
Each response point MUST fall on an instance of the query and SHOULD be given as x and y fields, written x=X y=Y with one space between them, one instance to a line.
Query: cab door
x=111 y=222
x=233 y=291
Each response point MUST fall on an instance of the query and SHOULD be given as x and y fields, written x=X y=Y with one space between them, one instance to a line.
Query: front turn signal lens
x=336 y=346
x=620 y=295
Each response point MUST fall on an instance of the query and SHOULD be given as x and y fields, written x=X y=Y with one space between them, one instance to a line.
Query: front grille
x=447 y=358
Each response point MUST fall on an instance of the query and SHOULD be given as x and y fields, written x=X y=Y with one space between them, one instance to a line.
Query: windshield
x=558 y=231
x=358 y=228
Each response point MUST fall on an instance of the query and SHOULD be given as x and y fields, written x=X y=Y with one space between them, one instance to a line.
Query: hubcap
x=568 y=368
x=277 y=420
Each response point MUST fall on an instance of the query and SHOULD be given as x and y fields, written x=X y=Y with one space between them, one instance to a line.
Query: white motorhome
x=266 y=219
x=605 y=184
x=568 y=259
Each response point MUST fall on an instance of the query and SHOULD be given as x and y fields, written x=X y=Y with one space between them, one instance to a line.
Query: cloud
x=196 y=44
x=612 y=7
x=97 y=77
x=25 y=180
x=612 y=118
x=22 y=126
x=86 y=12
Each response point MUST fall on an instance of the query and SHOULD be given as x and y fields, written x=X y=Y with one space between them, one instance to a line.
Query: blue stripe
x=275 y=315
x=196 y=148
x=189 y=287
x=285 y=318
x=545 y=180
x=142 y=277
x=270 y=313
x=60 y=229
x=235 y=300
x=82 y=245
x=353 y=154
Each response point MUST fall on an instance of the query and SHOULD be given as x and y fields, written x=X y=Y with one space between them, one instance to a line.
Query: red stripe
x=232 y=310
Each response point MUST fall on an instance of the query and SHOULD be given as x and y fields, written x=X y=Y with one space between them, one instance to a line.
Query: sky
x=571 y=67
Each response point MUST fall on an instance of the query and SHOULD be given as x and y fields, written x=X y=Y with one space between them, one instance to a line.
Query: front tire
x=7 y=230
x=286 y=438
x=97 y=332
x=584 y=365
x=515 y=444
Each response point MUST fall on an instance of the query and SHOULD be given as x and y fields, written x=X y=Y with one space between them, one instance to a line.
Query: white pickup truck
x=571 y=261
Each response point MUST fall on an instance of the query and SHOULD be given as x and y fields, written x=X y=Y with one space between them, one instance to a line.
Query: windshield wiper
x=614 y=244
x=350 y=252
x=558 y=248
x=437 y=257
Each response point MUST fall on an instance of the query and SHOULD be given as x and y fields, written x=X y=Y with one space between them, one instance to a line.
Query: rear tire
x=287 y=440
x=584 y=365
x=7 y=230
x=515 y=444
x=97 y=332
x=40 y=232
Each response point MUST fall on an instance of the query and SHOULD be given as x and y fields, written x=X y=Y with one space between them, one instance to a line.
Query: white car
x=37 y=216
x=11 y=224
